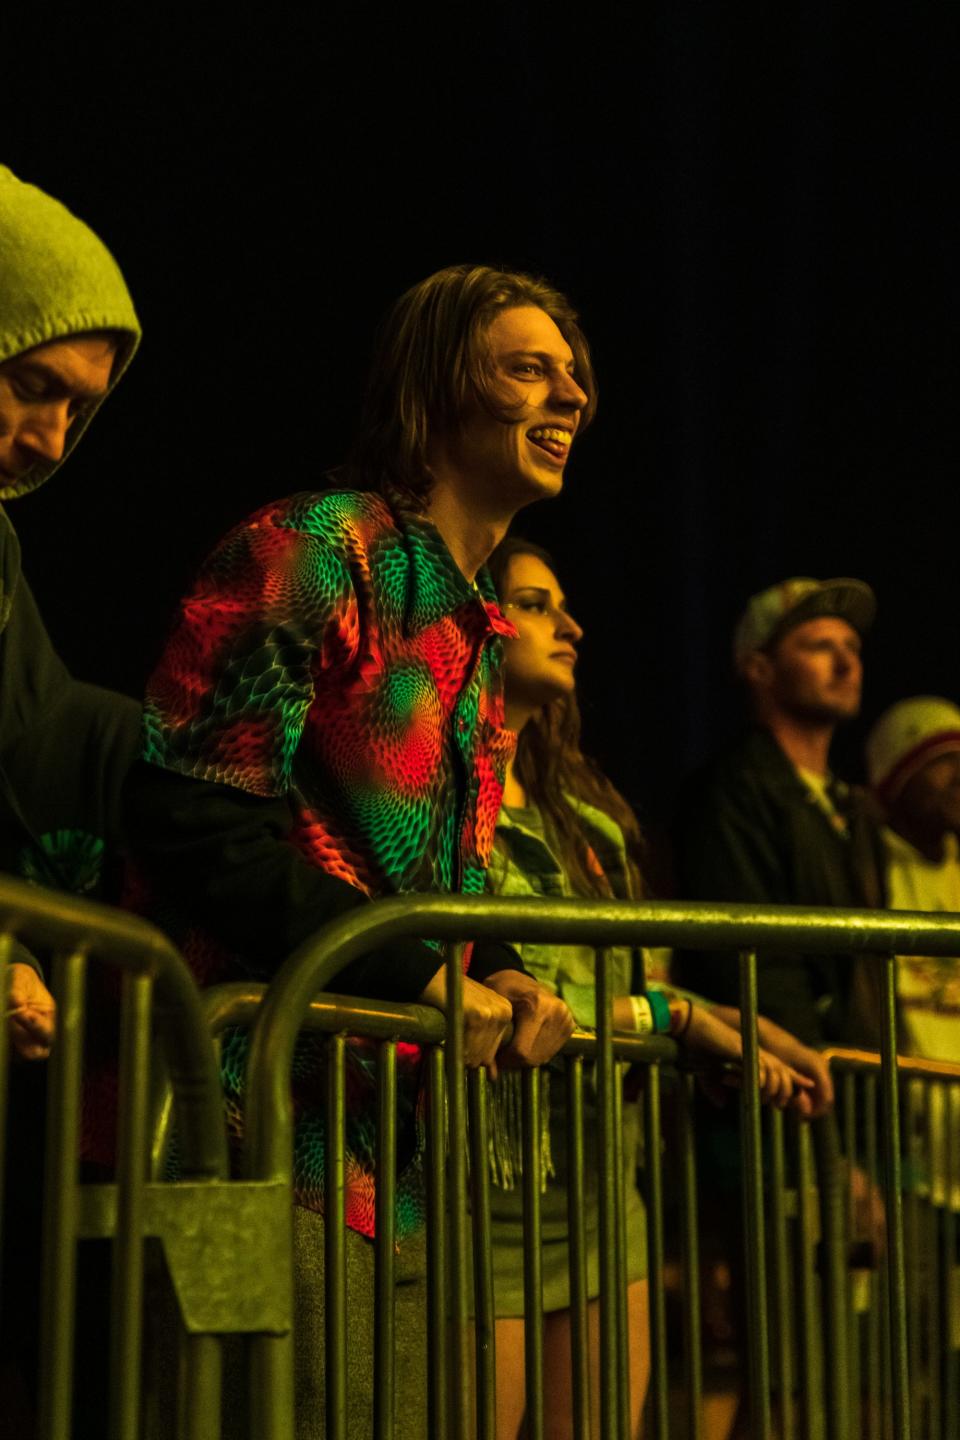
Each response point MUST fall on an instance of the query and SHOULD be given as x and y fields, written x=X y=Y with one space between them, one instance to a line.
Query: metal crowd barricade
x=227 y=1244
x=930 y=1107
x=269 y=1148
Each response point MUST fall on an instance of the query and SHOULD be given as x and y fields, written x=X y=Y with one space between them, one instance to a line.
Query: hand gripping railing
x=73 y=930
x=601 y=923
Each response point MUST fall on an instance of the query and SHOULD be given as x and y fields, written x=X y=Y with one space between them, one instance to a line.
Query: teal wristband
x=660 y=1006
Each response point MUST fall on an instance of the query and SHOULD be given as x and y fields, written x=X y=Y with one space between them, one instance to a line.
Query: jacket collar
x=437 y=585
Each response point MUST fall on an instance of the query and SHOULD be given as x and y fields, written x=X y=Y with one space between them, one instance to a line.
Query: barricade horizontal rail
x=239 y=1002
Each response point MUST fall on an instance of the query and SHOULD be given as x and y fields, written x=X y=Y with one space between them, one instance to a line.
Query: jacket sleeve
x=224 y=857
x=489 y=956
x=208 y=812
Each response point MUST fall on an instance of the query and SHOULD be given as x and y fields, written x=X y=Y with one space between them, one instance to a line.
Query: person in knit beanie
x=68 y=330
x=913 y=765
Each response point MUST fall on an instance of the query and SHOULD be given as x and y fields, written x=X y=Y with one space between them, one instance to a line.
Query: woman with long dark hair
x=565 y=830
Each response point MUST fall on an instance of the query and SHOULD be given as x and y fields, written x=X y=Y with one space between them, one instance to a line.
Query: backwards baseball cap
x=773 y=612
x=908 y=736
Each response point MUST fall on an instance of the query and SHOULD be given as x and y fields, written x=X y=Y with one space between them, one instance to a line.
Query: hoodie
x=64 y=746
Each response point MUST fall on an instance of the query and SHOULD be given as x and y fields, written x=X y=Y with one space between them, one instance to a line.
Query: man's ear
x=757 y=669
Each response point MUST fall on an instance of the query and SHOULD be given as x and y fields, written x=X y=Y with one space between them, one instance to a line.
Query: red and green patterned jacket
x=325 y=725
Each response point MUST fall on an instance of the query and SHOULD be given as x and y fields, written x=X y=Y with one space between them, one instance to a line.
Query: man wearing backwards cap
x=767 y=822
x=68 y=330
x=913 y=765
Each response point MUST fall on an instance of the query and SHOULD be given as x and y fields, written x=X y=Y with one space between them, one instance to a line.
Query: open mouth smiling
x=553 y=440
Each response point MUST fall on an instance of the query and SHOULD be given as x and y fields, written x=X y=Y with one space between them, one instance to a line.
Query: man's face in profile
x=521 y=456
x=42 y=392
x=931 y=797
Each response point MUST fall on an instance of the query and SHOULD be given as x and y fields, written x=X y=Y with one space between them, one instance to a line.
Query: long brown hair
x=554 y=771
x=432 y=359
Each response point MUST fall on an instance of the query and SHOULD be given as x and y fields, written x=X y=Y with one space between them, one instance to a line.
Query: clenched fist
x=31 y=1013
x=485 y=1017
x=542 y=1022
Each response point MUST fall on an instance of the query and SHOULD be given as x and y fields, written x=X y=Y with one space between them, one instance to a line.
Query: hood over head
x=57 y=279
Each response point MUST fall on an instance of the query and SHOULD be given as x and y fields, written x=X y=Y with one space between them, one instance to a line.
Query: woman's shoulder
x=600 y=822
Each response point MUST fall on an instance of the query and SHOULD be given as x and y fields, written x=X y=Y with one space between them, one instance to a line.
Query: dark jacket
x=64 y=750
x=64 y=746
x=751 y=831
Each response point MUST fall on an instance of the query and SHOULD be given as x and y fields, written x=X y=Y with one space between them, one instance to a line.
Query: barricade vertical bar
x=579 y=1367
x=849 y=1090
x=485 y=1321
x=833 y=1275
x=806 y=1286
x=912 y=1151
x=886 y=1402
x=607 y=1214
x=335 y=1240
x=436 y=1245
x=623 y=1347
x=951 y=1329
x=126 y=1316
x=459 y=1354
x=201 y=1388
x=532 y=1257
x=386 y=1210
x=900 y=1394
x=781 y=1277
x=6 y=950
x=753 y=1221
x=60 y=1201
x=272 y=1385
x=692 y=1357
x=873 y=1325
x=659 y=1396
x=935 y=1095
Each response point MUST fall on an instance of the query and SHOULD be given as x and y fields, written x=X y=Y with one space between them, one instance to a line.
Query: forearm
x=772 y=1036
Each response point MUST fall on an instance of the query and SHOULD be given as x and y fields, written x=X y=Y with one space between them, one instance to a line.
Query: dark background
x=752 y=209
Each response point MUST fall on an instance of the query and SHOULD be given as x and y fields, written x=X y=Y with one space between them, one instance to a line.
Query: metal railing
x=930 y=1107
x=456 y=919
x=221 y=1285
x=229 y=1242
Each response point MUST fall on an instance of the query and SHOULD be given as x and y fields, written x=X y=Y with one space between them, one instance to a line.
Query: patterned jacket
x=325 y=725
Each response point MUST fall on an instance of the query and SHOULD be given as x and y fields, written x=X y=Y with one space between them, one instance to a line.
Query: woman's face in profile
x=539 y=665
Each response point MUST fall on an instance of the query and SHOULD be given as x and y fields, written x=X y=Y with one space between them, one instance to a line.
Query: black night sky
x=751 y=206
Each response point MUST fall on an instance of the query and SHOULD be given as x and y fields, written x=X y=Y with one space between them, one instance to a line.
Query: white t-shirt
x=928 y=999
x=928 y=988
x=818 y=785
